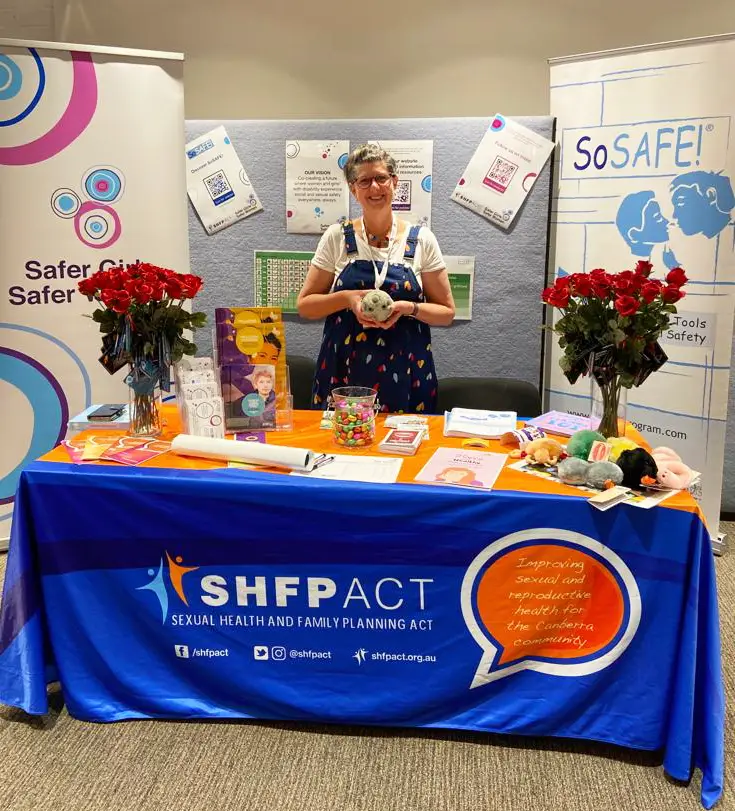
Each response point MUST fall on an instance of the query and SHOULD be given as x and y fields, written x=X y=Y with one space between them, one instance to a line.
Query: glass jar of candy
x=353 y=423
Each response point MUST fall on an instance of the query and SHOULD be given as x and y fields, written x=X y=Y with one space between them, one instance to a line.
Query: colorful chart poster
x=316 y=191
x=502 y=171
x=218 y=185
x=414 y=159
x=461 y=272
x=278 y=277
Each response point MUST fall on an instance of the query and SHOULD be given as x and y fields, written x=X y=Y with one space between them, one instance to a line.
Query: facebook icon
x=182 y=651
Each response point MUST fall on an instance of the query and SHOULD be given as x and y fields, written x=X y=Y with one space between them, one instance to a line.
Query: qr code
x=500 y=174
x=402 y=196
x=219 y=188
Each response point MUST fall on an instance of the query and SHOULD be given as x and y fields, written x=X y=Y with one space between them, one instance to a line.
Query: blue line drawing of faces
x=641 y=223
x=702 y=202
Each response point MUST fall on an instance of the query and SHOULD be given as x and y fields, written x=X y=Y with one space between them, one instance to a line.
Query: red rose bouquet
x=610 y=326
x=142 y=320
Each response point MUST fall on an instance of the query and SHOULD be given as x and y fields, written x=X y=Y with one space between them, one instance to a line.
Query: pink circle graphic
x=73 y=122
x=289 y=213
x=102 y=185
x=86 y=209
x=530 y=176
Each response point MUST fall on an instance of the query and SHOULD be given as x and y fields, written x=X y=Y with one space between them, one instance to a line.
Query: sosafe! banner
x=646 y=162
x=91 y=176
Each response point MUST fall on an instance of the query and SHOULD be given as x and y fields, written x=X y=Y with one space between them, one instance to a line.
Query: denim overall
x=398 y=361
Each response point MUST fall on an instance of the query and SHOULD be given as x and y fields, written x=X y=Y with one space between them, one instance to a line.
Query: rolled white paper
x=251 y=452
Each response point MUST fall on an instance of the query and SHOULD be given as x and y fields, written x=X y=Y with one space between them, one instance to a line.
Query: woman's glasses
x=367 y=182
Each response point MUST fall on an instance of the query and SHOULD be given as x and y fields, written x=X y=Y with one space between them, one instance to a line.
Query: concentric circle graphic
x=292 y=149
x=104 y=184
x=16 y=75
x=342 y=160
x=244 y=178
x=426 y=183
x=498 y=123
x=50 y=409
x=11 y=83
x=97 y=225
x=65 y=203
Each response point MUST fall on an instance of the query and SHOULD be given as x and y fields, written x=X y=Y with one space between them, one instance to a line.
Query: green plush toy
x=580 y=443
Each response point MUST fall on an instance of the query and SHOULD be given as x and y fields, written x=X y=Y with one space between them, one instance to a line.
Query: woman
x=377 y=251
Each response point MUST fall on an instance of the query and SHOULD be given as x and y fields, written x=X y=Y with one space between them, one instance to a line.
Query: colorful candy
x=353 y=423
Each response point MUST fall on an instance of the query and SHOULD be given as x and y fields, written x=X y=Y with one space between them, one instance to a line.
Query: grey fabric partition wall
x=504 y=336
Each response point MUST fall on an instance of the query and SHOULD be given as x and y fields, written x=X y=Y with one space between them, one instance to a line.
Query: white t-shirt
x=331 y=253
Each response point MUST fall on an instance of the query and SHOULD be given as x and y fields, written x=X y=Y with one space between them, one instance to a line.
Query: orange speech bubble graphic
x=551 y=601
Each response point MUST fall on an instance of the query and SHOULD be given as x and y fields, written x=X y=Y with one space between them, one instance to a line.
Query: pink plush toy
x=672 y=472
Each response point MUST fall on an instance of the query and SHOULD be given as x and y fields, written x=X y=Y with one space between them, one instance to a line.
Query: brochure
x=463 y=468
x=560 y=423
x=474 y=422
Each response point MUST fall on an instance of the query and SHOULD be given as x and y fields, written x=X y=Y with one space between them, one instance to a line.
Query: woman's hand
x=399 y=308
x=355 y=299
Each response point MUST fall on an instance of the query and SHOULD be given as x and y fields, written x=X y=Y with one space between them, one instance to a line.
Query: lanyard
x=381 y=276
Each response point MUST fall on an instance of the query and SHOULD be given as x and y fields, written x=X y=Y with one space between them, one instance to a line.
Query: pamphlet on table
x=462 y=468
x=469 y=422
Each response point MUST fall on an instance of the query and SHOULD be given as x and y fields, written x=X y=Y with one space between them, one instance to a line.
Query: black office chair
x=301 y=371
x=490 y=393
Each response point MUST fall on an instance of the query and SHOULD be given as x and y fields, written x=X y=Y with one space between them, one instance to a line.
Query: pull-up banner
x=645 y=165
x=91 y=176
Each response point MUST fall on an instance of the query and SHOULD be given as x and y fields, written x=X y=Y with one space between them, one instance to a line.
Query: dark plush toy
x=639 y=468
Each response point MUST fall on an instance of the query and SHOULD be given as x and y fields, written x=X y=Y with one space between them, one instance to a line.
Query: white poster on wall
x=316 y=191
x=502 y=171
x=218 y=185
x=645 y=168
x=412 y=197
x=79 y=192
x=461 y=273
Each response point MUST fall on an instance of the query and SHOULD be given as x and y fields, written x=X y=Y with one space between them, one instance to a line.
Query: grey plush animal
x=599 y=473
x=378 y=305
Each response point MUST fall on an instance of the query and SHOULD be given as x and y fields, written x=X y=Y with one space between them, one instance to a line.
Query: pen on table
x=322 y=460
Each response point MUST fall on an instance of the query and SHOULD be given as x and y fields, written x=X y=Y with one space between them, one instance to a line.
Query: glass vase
x=608 y=407
x=144 y=399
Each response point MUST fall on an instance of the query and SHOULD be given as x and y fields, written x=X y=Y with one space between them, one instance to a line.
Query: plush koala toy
x=378 y=305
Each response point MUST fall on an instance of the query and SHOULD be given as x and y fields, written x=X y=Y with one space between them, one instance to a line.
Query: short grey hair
x=368 y=153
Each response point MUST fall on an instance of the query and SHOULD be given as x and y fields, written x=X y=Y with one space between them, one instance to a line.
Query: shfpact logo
x=176 y=574
x=359 y=655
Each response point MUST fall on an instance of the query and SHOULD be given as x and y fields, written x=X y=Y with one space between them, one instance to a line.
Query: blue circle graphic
x=426 y=183
x=50 y=410
x=253 y=405
x=66 y=203
x=103 y=185
x=15 y=84
x=342 y=160
x=498 y=123
x=11 y=78
x=227 y=140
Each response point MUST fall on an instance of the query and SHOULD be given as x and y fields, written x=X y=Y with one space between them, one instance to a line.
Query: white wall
x=383 y=58
x=27 y=19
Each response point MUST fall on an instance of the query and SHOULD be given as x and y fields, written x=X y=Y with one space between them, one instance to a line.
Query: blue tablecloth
x=154 y=593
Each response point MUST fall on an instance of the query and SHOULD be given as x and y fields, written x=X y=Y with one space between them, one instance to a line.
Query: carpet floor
x=56 y=763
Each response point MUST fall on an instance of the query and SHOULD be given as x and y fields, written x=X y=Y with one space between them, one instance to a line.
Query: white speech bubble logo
x=485 y=672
